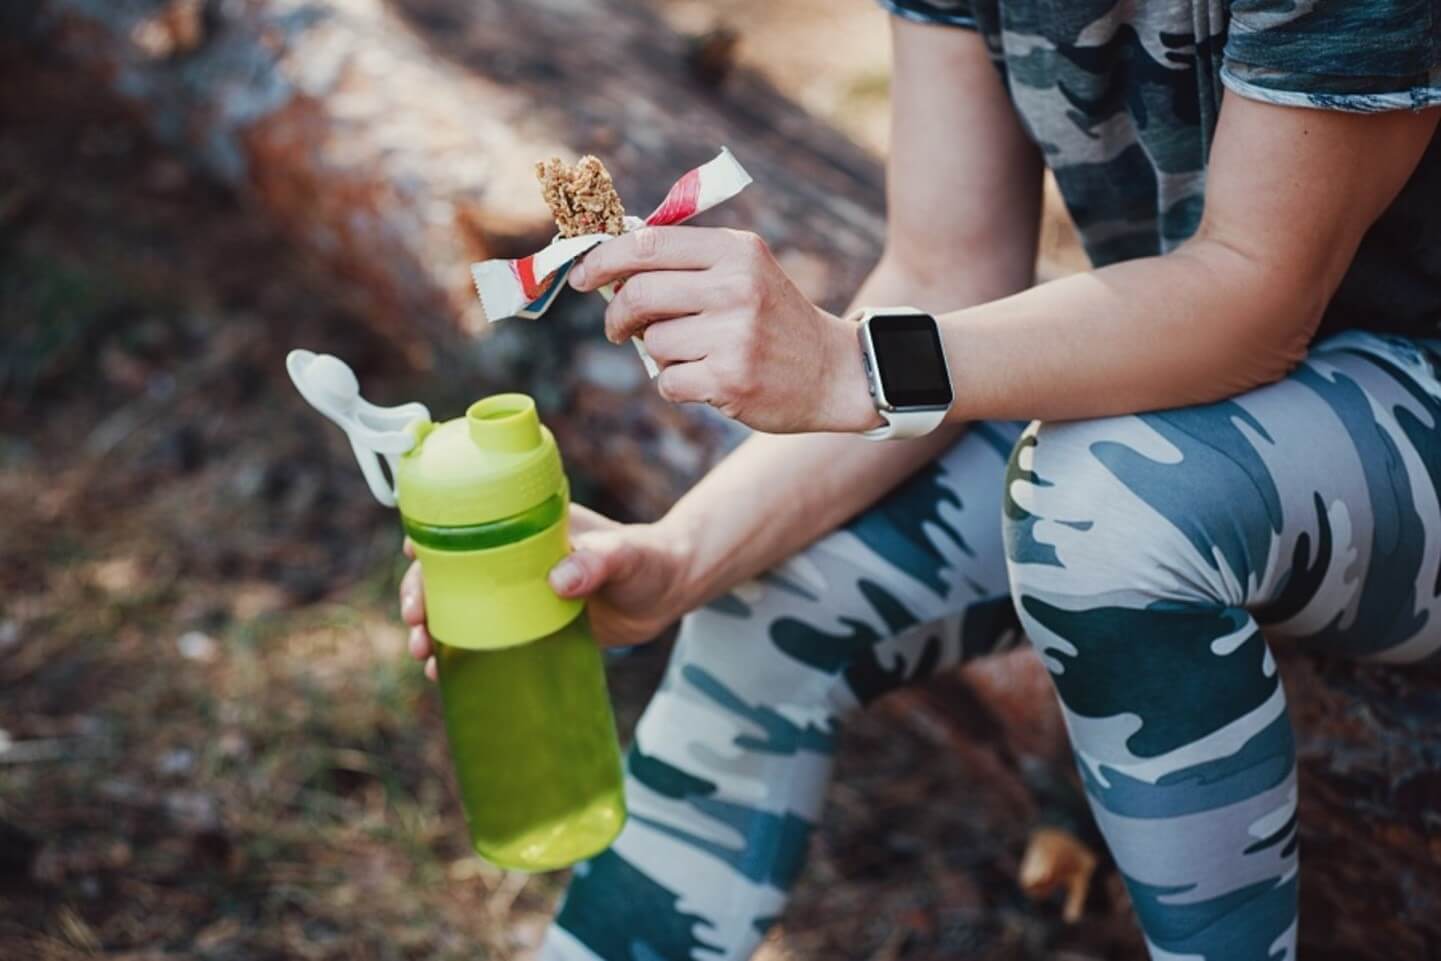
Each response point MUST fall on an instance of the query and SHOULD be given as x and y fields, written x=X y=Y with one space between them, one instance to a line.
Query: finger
x=419 y=643
x=598 y=557
x=412 y=596
x=653 y=296
x=691 y=383
x=650 y=248
x=679 y=340
x=408 y=548
x=431 y=671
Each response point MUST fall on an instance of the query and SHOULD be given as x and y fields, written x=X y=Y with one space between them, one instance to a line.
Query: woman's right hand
x=633 y=575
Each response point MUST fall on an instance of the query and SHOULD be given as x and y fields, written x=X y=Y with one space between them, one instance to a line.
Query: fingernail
x=577 y=276
x=407 y=601
x=416 y=640
x=566 y=576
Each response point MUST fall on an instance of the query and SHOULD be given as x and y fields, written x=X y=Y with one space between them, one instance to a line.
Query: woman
x=1237 y=428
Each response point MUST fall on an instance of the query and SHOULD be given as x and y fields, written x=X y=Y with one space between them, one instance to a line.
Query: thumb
x=597 y=557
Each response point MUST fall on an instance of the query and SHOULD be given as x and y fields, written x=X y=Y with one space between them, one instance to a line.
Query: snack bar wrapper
x=527 y=287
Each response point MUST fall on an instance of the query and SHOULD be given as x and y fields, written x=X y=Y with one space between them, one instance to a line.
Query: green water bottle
x=484 y=499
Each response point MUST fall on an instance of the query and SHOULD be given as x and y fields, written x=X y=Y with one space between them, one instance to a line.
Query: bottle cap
x=329 y=385
x=495 y=462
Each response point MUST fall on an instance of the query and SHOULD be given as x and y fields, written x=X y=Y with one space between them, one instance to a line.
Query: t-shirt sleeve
x=1355 y=55
x=954 y=13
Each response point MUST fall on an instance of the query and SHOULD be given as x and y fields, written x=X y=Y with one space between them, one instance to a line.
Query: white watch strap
x=902 y=424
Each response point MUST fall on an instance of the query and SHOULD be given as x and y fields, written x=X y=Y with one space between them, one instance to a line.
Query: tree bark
x=393 y=143
x=396 y=167
x=391 y=167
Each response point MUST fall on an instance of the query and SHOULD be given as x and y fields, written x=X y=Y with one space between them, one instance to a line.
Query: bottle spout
x=329 y=385
x=504 y=422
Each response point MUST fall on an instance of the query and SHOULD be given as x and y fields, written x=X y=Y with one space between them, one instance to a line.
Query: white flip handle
x=329 y=385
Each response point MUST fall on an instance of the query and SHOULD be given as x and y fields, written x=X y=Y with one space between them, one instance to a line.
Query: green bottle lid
x=495 y=462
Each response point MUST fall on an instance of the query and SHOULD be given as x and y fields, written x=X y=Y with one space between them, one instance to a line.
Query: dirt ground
x=211 y=744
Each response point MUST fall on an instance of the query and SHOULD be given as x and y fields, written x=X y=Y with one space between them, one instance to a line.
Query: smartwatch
x=906 y=370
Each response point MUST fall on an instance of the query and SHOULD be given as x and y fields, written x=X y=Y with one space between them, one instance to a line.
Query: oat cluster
x=581 y=197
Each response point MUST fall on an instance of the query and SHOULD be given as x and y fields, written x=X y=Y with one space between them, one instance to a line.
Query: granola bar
x=582 y=197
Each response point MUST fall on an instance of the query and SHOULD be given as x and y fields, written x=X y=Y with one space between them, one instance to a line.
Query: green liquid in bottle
x=534 y=744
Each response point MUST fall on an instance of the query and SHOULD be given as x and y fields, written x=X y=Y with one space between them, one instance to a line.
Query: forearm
x=963 y=205
x=1198 y=325
x=1231 y=310
x=776 y=493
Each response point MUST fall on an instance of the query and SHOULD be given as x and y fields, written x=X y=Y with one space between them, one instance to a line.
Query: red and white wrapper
x=527 y=287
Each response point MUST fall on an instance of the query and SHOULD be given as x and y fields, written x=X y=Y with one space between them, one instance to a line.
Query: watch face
x=912 y=366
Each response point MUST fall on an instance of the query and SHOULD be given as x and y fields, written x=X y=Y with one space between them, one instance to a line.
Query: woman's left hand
x=730 y=329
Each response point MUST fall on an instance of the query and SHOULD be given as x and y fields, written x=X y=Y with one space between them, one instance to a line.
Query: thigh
x=1358 y=554
x=1311 y=503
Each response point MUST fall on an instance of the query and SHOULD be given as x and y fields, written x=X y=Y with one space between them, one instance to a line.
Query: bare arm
x=1290 y=192
x=964 y=209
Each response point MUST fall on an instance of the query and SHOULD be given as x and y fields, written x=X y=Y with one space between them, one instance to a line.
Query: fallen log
x=392 y=168
x=393 y=144
x=396 y=167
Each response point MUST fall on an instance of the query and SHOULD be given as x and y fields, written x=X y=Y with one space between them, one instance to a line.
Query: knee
x=1131 y=553
x=1146 y=505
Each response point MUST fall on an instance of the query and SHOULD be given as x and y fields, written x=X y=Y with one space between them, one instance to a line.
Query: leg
x=731 y=758
x=1146 y=553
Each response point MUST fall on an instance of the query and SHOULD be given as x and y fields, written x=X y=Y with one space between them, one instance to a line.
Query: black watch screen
x=912 y=365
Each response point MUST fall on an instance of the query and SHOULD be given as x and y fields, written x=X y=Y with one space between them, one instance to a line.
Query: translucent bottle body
x=523 y=692
x=483 y=498
x=533 y=740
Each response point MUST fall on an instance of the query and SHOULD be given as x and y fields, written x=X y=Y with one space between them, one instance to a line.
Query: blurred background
x=211 y=742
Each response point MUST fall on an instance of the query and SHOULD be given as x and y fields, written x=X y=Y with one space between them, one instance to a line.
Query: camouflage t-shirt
x=1122 y=96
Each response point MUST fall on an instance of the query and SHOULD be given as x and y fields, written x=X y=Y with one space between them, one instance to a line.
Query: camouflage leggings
x=1143 y=553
